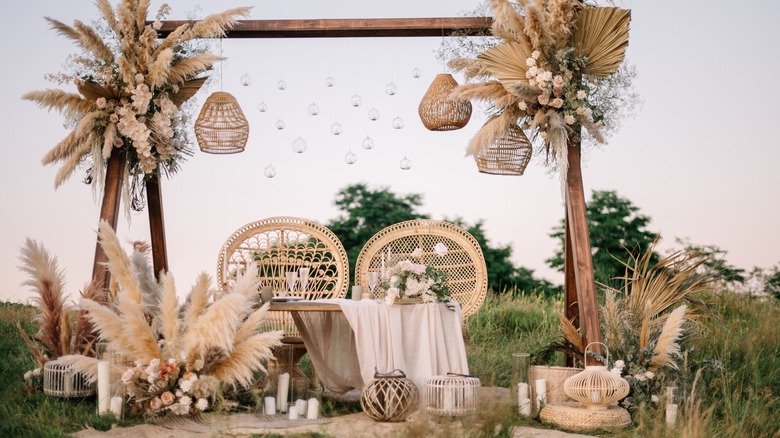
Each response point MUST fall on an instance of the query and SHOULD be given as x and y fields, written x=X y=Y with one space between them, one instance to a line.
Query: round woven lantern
x=389 y=397
x=59 y=380
x=453 y=395
x=508 y=155
x=221 y=127
x=596 y=388
x=437 y=111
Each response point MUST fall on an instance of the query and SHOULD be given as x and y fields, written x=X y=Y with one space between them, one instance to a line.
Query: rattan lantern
x=453 y=395
x=221 y=127
x=437 y=111
x=389 y=397
x=60 y=380
x=596 y=388
x=508 y=155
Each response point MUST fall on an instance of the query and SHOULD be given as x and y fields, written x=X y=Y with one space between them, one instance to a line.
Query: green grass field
x=737 y=351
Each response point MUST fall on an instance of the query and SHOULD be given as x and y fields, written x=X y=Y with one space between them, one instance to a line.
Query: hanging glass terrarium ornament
x=391 y=89
x=335 y=129
x=269 y=171
x=373 y=114
x=262 y=107
x=405 y=163
x=398 y=123
x=280 y=124
x=330 y=82
x=350 y=158
x=313 y=109
x=282 y=85
x=356 y=101
x=368 y=143
x=246 y=80
x=416 y=72
x=299 y=145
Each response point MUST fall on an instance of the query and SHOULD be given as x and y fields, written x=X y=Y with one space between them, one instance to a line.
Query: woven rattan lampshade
x=437 y=112
x=596 y=387
x=508 y=155
x=221 y=127
x=389 y=397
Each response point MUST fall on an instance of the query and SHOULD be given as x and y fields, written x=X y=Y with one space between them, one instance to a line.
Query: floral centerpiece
x=131 y=87
x=407 y=281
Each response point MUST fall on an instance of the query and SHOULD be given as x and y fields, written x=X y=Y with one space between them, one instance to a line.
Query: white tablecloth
x=422 y=340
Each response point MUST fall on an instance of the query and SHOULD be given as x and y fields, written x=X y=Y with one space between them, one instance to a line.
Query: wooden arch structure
x=580 y=302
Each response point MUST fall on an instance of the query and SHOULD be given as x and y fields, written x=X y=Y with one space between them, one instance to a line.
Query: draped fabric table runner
x=422 y=340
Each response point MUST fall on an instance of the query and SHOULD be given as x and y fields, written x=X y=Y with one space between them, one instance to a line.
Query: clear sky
x=700 y=158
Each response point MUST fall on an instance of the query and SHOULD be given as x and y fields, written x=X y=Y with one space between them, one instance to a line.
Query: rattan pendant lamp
x=507 y=155
x=221 y=127
x=437 y=111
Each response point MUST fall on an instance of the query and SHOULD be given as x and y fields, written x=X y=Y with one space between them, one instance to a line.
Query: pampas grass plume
x=667 y=348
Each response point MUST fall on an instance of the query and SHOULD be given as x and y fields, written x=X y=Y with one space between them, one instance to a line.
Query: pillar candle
x=270 y=406
x=522 y=392
x=300 y=406
x=104 y=387
x=525 y=407
x=541 y=392
x=293 y=414
x=671 y=414
x=357 y=292
x=116 y=406
x=313 y=411
x=281 y=392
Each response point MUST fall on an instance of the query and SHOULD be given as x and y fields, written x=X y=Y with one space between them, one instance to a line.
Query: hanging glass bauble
x=329 y=81
x=282 y=85
x=335 y=128
x=373 y=114
x=280 y=124
x=246 y=80
x=269 y=171
x=350 y=158
x=262 y=107
x=313 y=109
x=405 y=163
x=299 y=145
x=415 y=72
x=356 y=101
x=391 y=89
x=398 y=123
x=368 y=143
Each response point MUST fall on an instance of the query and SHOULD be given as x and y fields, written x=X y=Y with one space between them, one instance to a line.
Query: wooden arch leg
x=109 y=211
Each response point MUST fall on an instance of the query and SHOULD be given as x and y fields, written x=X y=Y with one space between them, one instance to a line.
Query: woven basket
x=574 y=417
x=221 y=127
x=389 y=397
x=453 y=395
x=437 y=111
x=59 y=380
x=555 y=377
x=508 y=155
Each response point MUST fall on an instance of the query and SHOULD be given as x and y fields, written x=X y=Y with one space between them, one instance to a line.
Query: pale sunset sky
x=700 y=157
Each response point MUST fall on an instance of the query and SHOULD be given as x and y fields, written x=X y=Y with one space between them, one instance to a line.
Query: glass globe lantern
x=335 y=129
x=350 y=158
x=356 y=101
x=246 y=80
x=269 y=171
x=416 y=72
x=405 y=163
x=373 y=114
x=368 y=143
x=281 y=85
x=398 y=123
x=262 y=107
x=299 y=145
x=313 y=109
x=391 y=89
x=280 y=124
x=330 y=82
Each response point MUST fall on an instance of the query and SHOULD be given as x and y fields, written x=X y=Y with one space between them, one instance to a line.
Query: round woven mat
x=573 y=416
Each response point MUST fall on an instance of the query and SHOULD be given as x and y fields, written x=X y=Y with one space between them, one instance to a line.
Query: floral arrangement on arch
x=537 y=77
x=131 y=85
x=181 y=358
x=408 y=280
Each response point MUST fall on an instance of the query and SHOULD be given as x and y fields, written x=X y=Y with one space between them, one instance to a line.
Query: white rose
x=127 y=376
x=441 y=249
x=569 y=119
x=202 y=404
x=616 y=371
x=185 y=401
x=581 y=95
x=650 y=374
x=530 y=62
x=536 y=54
x=619 y=364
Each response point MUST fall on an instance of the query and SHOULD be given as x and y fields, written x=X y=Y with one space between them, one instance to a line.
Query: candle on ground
x=281 y=392
x=270 y=406
x=313 y=411
x=104 y=387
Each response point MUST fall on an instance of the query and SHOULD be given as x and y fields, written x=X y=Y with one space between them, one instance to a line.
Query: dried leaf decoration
x=602 y=36
x=506 y=62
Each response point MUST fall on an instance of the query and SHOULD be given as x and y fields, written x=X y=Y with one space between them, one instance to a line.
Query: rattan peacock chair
x=464 y=262
x=280 y=244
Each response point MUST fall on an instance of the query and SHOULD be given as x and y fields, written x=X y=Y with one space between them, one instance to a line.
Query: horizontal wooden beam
x=352 y=27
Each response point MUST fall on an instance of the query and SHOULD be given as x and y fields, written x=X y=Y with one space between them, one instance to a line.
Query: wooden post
x=109 y=211
x=156 y=225
x=571 y=310
x=581 y=261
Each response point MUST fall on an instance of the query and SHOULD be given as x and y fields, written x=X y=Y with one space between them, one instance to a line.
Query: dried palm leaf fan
x=221 y=127
x=602 y=36
x=508 y=154
x=437 y=111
